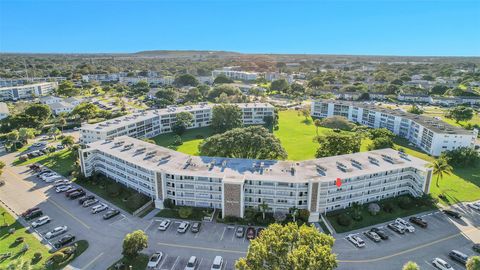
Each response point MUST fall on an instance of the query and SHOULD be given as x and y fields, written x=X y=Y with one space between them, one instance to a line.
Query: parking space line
x=92 y=261
x=151 y=223
x=118 y=220
x=200 y=263
x=176 y=261
x=223 y=234
x=202 y=248
x=164 y=260
x=66 y=211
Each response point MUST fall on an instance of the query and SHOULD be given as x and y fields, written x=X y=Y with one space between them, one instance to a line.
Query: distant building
x=150 y=80
x=111 y=77
x=27 y=91
x=429 y=134
x=229 y=72
x=273 y=76
x=414 y=98
x=61 y=107
x=47 y=100
x=4 y=112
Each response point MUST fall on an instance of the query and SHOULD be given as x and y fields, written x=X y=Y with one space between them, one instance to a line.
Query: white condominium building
x=235 y=74
x=429 y=134
x=151 y=123
x=232 y=184
x=27 y=91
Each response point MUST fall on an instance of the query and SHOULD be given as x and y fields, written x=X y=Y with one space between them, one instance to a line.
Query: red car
x=250 y=233
x=29 y=211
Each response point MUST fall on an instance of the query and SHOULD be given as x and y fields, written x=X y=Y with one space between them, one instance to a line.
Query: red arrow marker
x=339 y=182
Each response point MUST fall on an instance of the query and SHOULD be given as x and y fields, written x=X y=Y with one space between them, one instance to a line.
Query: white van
x=217 y=263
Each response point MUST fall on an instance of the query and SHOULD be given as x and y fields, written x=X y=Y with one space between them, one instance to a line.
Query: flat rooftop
x=157 y=158
x=115 y=123
x=435 y=125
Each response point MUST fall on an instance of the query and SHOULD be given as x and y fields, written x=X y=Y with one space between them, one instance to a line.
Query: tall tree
x=335 y=144
x=134 y=243
x=12 y=138
x=141 y=88
x=473 y=263
x=68 y=141
x=460 y=113
x=226 y=117
x=440 y=168
x=222 y=79
x=166 y=96
x=183 y=121
x=280 y=85
x=226 y=89
x=381 y=143
x=85 y=111
x=25 y=134
x=283 y=247
x=54 y=131
x=253 y=142
x=185 y=80
x=67 y=88
x=410 y=266
x=317 y=123
x=41 y=112
x=263 y=207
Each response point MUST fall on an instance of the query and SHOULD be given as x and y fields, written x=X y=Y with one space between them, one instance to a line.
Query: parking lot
x=442 y=235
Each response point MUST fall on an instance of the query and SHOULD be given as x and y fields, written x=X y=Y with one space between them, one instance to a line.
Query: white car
x=99 y=208
x=164 y=225
x=155 y=260
x=62 y=188
x=46 y=175
x=41 y=221
x=56 y=232
x=217 y=263
x=408 y=227
x=441 y=264
x=61 y=183
x=475 y=205
x=52 y=179
x=192 y=263
x=356 y=240
x=183 y=227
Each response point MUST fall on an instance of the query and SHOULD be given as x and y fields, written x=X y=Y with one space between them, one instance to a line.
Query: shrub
x=113 y=189
x=177 y=140
x=344 y=220
x=337 y=122
x=185 y=212
x=405 y=203
x=357 y=215
x=58 y=257
x=373 y=208
x=168 y=203
x=279 y=216
x=303 y=215
x=232 y=219
x=37 y=256
x=388 y=207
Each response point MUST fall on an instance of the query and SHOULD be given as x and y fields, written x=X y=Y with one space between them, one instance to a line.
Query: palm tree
x=440 y=168
x=294 y=211
x=263 y=208
x=317 y=124
x=24 y=134
x=62 y=121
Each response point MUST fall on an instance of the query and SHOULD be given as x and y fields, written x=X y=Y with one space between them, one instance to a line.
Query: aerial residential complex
x=150 y=123
x=232 y=184
x=235 y=74
x=27 y=91
x=429 y=134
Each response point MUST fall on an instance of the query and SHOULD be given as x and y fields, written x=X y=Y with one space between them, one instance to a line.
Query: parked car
x=66 y=239
x=56 y=232
x=396 y=228
x=183 y=227
x=476 y=247
x=99 y=208
x=60 y=146
x=383 y=235
x=196 y=227
x=418 y=221
x=217 y=263
x=86 y=198
x=41 y=221
x=34 y=214
x=155 y=259
x=373 y=236
x=110 y=214
x=70 y=191
x=90 y=202
x=28 y=211
x=62 y=182
x=52 y=178
x=250 y=233
x=452 y=213
x=474 y=206
x=259 y=230
x=164 y=224
x=441 y=264
x=47 y=174
x=192 y=263
x=62 y=188
x=356 y=240
x=240 y=232
x=76 y=195
x=408 y=227
x=458 y=256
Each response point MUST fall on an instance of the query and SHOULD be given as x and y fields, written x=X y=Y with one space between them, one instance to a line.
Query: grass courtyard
x=61 y=161
x=296 y=135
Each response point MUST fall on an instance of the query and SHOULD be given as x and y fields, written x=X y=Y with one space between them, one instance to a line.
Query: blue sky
x=427 y=27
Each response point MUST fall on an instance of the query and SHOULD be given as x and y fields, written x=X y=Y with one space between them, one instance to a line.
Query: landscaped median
x=138 y=263
x=61 y=161
x=360 y=216
x=20 y=247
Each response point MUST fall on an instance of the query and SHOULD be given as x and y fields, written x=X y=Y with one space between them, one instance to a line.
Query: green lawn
x=197 y=213
x=7 y=243
x=61 y=161
x=191 y=139
x=139 y=263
